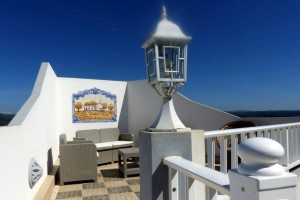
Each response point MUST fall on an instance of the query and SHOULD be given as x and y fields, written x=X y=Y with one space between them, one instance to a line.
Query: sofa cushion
x=121 y=144
x=91 y=134
x=109 y=134
x=113 y=145
x=104 y=146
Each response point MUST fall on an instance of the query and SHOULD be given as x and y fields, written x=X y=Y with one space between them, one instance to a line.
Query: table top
x=129 y=151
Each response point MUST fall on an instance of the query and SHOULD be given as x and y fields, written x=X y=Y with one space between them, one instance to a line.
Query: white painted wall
x=69 y=86
x=32 y=133
x=144 y=105
x=199 y=116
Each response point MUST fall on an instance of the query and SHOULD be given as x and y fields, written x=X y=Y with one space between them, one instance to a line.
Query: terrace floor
x=110 y=186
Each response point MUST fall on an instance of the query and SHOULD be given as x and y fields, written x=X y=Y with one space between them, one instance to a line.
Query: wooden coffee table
x=130 y=163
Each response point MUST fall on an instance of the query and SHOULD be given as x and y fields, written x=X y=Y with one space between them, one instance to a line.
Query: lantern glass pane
x=162 y=72
x=151 y=64
x=171 y=56
x=171 y=63
x=180 y=73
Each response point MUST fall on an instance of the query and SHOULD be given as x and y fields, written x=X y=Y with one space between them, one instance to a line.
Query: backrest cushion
x=109 y=134
x=90 y=134
x=62 y=139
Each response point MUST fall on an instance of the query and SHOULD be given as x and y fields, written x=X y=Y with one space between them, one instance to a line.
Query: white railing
x=227 y=141
x=192 y=171
x=258 y=177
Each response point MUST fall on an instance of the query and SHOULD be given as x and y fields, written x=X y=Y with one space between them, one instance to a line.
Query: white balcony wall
x=144 y=105
x=69 y=86
x=199 y=116
x=32 y=133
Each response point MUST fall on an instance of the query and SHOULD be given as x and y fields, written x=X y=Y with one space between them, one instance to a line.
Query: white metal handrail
x=286 y=134
x=193 y=171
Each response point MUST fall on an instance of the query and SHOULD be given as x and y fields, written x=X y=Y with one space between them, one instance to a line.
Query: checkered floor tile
x=110 y=186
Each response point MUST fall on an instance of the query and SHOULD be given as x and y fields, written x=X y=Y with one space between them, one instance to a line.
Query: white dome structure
x=167 y=29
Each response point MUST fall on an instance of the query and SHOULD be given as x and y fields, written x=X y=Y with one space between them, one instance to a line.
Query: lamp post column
x=166 y=64
x=166 y=56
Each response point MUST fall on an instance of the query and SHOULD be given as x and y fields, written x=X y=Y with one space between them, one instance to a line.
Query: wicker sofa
x=78 y=160
x=107 y=142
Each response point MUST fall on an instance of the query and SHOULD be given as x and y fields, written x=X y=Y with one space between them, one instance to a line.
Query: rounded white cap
x=260 y=156
x=167 y=29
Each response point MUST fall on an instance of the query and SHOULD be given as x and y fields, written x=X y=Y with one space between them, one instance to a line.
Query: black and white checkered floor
x=110 y=186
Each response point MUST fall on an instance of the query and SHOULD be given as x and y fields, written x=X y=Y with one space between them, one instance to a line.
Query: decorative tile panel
x=94 y=105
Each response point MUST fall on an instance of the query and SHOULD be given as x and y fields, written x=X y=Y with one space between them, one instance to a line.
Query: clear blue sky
x=244 y=55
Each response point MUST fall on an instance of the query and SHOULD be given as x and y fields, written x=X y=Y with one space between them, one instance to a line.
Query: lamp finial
x=164 y=13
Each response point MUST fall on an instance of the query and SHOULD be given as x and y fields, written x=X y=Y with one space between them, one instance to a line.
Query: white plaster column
x=154 y=146
x=259 y=176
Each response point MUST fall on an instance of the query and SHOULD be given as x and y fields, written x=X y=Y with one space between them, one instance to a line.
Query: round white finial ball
x=260 y=150
x=260 y=156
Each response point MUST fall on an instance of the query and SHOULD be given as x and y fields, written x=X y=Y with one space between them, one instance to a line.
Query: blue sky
x=244 y=55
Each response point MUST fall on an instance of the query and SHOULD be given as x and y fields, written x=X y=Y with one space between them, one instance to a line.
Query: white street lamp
x=166 y=63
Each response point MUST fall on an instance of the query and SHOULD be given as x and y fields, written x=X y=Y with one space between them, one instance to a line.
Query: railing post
x=173 y=184
x=259 y=176
x=285 y=142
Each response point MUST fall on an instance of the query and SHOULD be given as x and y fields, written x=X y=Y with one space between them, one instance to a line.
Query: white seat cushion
x=113 y=145
x=104 y=145
x=122 y=143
